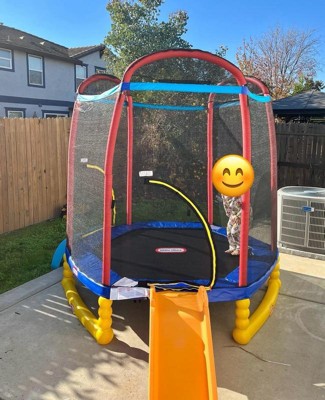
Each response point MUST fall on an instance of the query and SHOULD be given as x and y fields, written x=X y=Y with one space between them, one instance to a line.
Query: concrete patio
x=46 y=354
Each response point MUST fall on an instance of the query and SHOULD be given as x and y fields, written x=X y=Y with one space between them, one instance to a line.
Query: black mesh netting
x=169 y=139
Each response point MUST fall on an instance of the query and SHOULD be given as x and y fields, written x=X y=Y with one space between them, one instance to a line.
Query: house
x=39 y=78
x=303 y=107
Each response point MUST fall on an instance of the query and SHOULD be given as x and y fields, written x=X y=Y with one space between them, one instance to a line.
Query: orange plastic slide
x=181 y=360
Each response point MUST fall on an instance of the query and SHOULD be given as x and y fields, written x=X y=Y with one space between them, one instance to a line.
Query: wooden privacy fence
x=301 y=154
x=33 y=165
x=33 y=170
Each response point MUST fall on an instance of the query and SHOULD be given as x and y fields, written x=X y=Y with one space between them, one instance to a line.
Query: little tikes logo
x=171 y=250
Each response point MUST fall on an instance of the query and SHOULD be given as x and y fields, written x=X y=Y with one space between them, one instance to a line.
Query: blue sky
x=212 y=23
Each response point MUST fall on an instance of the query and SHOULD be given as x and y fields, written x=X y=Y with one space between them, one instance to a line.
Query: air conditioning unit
x=301 y=218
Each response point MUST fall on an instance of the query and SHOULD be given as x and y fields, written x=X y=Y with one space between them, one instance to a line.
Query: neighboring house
x=39 y=78
x=303 y=107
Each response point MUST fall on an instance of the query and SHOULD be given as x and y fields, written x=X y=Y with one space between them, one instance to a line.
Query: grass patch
x=26 y=254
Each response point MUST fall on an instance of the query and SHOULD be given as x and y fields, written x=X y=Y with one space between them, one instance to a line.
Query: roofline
x=35 y=36
x=89 y=51
x=71 y=60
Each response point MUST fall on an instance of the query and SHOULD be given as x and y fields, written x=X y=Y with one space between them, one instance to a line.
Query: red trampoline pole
x=273 y=159
x=245 y=126
x=243 y=257
x=108 y=184
x=210 y=157
x=129 y=162
x=274 y=178
x=71 y=172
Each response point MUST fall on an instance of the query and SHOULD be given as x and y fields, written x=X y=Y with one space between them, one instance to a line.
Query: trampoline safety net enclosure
x=174 y=114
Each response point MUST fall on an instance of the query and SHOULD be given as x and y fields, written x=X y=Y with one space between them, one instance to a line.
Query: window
x=15 y=112
x=55 y=114
x=100 y=70
x=35 y=71
x=6 y=59
x=81 y=74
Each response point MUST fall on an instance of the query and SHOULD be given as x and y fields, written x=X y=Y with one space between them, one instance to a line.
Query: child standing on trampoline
x=233 y=209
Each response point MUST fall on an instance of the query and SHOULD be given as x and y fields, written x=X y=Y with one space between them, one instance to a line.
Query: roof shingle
x=83 y=51
x=309 y=100
x=13 y=38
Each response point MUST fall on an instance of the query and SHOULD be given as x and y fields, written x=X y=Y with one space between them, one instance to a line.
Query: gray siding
x=34 y=110
x=58 y=75
x=58 y=93
x=93 y=60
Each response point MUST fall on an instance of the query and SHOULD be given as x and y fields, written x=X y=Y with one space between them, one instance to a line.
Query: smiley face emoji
x=232 y=175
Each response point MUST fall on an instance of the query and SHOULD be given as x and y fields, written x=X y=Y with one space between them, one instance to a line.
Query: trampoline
x=173 y=253
x=142 y=210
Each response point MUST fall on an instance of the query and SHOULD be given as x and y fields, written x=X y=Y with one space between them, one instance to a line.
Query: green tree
x=137 y=31
x=279 y=58
x=164 y=137
x=305 y=83
x=221 y=51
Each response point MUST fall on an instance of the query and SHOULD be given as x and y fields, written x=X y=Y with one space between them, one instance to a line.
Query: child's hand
x=218 y=198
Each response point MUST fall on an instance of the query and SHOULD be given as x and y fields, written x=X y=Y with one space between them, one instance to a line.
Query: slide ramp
x=181 y=361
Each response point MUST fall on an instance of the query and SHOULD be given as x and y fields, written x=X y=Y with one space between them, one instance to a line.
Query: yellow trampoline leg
x=99 y=328
x=245 y=325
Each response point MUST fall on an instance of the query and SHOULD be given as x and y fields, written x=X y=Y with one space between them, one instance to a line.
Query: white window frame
x=100 y=70
x=54 y=114
x=29 y=70
x=10 y=59
x=22 y=113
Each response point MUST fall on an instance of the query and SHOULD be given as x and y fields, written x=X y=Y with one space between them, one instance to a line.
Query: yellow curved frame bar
x=204 y=222
x=100 y=328
x=245 y=325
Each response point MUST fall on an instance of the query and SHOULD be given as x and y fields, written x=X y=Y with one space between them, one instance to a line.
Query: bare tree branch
x=279 y=58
